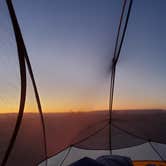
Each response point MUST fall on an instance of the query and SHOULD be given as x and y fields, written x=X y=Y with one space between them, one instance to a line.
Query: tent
x=82 y=78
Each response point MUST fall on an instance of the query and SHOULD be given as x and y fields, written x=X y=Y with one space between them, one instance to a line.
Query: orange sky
x=50 y=105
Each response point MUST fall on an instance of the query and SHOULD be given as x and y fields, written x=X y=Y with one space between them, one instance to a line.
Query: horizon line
x=104 y=110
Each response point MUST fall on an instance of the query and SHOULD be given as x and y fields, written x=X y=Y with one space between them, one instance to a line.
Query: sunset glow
x=71 y=54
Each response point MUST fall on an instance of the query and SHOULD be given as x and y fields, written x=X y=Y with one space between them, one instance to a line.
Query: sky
x=70 y=45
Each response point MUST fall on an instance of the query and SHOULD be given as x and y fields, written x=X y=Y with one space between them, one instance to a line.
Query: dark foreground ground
x=88 y=130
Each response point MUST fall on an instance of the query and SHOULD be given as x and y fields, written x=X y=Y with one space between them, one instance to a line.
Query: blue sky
x=70 y=45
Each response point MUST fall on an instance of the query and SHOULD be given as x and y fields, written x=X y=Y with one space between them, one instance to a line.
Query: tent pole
x=21 y=52
x=117 y=50
x=23 y=57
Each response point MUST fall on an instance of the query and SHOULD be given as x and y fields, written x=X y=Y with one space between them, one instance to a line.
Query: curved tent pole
x=38 y=104
x=22 y=54
x=113 y=67
x=113 y=71
x=117 y=50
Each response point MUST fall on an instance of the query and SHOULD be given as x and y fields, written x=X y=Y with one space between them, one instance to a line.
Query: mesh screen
x=71 y=47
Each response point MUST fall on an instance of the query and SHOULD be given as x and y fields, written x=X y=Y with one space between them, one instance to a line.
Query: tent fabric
x=62 y=67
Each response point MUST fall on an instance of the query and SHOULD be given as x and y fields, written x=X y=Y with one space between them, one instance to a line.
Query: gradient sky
x=70 y=45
